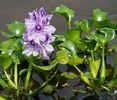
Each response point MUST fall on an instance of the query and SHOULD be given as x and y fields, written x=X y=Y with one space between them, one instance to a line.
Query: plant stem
x=28 y=75
x=69 y=24
x=103 y=67
x=9 y=80
x=115 y=67
x=78 y=69
x=83 y=77
x=43 y=85
x=15 y=74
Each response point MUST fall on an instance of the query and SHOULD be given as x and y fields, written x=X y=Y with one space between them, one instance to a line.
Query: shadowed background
x=11 y=10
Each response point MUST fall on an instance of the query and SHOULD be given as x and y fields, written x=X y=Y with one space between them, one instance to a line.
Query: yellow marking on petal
x=38 y=27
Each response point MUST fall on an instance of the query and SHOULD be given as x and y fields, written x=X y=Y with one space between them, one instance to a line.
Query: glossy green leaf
x=69 y=45
x=99 y=15
x=5 y=61
x=81 y=45
x=58 y=39
x=86 y=25
x=16 y=28
x=109 y=34
x=65 y=11
x=7 y=35
x=77 y=24
x=103 y=36
x=62 y=56
x=46 y=68
x=69 y=75
x=7 y=46
x=10 y=45
x=76 y=60
x=94 y=67
x=73 y=35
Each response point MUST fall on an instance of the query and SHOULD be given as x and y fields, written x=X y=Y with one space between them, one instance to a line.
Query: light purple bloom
x=31 y=48
x=38 y=35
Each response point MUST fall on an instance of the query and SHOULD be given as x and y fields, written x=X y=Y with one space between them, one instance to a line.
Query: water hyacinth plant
x=35 y=61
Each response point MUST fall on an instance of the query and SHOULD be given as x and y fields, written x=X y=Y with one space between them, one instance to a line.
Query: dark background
x=11 y=10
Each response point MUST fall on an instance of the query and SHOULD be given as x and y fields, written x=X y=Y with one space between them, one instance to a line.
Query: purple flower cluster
x=38 y=35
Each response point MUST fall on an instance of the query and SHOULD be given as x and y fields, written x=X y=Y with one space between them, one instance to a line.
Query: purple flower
x=38 y=35
x=31 y=48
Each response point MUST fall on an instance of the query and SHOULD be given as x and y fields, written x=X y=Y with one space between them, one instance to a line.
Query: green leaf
x=10 y=45
x=88 y=75
x=86 y=44
x=77 y=24
x=86 y=79
x=109 y=34
x=103 y=36
x=69 y=75
x=69 y=45
x=5 y=61
x=112 y=83
x=3 y=97
x=58 y=39
x=65 y=11
x=86 y=25
x=7 y=35
x=81 y=45
x=46 y=68
x=76 y=60
x=62 y=56
x=7 y=46
x=73 y=35
x=99 y=15
x=16 y=28
x=94 y=66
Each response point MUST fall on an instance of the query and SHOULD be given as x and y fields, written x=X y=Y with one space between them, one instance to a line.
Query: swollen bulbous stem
x=28 y=75
x=103 y=67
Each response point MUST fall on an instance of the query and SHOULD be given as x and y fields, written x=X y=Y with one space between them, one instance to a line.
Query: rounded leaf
x=65 y=11
x=71 y=46
x=99 y=15
x=73 y=35
x=16 y=28
x=62 y=56
x=5 y=61
x=75 y=60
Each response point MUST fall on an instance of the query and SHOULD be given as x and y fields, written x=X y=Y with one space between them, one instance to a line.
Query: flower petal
x=49 y=48
x=49 y=29
x=27 y=51
x=30 y=24
x=44 y=54
x=47 y=19
x=42 y=12
x=25 y=37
